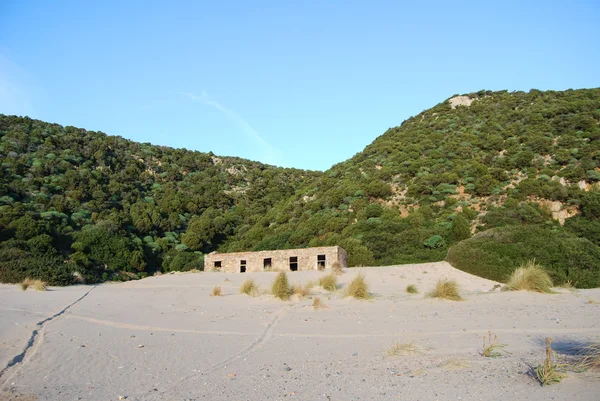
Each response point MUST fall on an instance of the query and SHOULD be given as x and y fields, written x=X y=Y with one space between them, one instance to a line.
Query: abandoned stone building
x=282 y=260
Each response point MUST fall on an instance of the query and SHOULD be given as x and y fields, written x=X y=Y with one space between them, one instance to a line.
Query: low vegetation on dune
x=281 y=288
x=550 y=371
x=399 y=349
x=328 y=282
x=216 y=292
x=589 y=357
x=412 y=289
x=358 y=288
x=36 y=284
x=336 y=268
x=530 y=277
x=491 y=347
x=494 y=254
x=446 y=289
x=301 y=290
x=249 y=287
x=317 y=303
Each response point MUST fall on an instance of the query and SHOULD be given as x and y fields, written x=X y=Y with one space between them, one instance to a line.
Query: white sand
x=166 y=338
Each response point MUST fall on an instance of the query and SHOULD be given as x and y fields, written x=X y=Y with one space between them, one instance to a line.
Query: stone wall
x=281 y=260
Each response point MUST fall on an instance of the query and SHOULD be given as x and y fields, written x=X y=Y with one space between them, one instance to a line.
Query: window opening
x=294 y=263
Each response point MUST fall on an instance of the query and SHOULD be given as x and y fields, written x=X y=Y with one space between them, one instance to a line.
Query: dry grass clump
x=317 y=303
x=455 y=364
x=530 y=277
x=446 y=289
x=358 y=288
x=336 y=268
x=301 y=290
x=398 y=349
x=549 y=371
x=281 y=288
x=412 y=289
x=249 y=287
x=35 y=284
x=568 y=285
x=589 y=357
x=491 y=348
x=329 y=282
x=216 y=292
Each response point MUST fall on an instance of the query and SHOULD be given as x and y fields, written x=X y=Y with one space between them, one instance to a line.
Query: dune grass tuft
x=35 y=284
x=491 y=348
x=281 y=288
x=530 y=277
x=336 y=268
x=216 y=292
x=455 y=364
x=568 y=285
x=589 y=357
x=549 y=371
x=301 y=290
x=317 y=303
x=398 y=349
x=358 y=288
x=446 y=289
x=328 y=282
x=412 y=289
x=249 y=287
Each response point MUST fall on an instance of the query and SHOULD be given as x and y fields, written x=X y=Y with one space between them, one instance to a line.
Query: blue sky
x=303 y=84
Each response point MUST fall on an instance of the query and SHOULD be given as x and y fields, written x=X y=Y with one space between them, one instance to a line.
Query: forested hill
x=487 y=180
x=77 y=200
x=487 y=160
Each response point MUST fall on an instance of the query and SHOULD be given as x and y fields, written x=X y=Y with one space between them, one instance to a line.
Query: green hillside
x=76 y=200
x=503 y=160
x=73 y=200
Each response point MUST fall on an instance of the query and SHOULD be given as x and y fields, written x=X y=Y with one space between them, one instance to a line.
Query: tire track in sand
x=262 y=339
x=34 y=341
x=581 y=330
x=155 y=329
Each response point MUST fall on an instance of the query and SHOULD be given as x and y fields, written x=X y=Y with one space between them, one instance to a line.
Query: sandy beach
x=167 y=338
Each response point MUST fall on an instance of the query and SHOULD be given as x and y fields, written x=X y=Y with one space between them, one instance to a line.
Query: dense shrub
x=496 y=253
x=177 y=261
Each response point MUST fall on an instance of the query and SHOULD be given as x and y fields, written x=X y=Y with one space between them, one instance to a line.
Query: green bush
x=494 y=254
x=181 y=261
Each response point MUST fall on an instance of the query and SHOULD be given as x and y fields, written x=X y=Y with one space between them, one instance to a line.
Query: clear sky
x=303 y=84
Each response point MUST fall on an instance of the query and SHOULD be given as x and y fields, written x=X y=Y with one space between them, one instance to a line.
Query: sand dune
x=166 y=338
